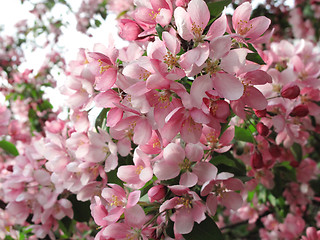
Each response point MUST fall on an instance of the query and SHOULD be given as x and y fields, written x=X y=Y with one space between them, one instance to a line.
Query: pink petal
x=205 y=172
x=199 y=13
x=198 y=211
x=171 y=42
x=257 y=77
x=212 y=203
x=234 y=184
x=183 y=23
x=232 y=200
x=194 y=152
x=135 y=216
x=117 y=231
x=191 y=131
x=242 y=12
x=259 y=26
x=198 y=89
x=142 y=132
x=227 y=136
x=234 y=61
x=188 y=179
x=254 y=98
x=166 y=170
x=228 y=86
x=146 y=174
x=106 y=99
x=183 y=221
x=219 y=47
x=133 y=198
x=218 y=28
x=173 y=152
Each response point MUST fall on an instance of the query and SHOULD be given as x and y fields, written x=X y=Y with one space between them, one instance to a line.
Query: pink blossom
x=246 y=28
x=188 y=209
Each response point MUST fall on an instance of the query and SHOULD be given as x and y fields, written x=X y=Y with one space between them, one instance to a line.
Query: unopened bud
x=290 y=91
x=262 y=129
x=300 y=111
x=256 y=160
x=275 y=151
x=129 y=29
x=156 y=193
x=261 y=113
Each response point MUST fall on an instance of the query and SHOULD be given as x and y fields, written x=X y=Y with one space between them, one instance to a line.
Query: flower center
x=243 y=27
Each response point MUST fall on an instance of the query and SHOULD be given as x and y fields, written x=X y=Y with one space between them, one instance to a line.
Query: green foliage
x=81 y=210
x=296 y=150
x=256 y=58
x=243 y=134
x=9 y=147
x=159 y=30
x=206 y=230
x=216 y=8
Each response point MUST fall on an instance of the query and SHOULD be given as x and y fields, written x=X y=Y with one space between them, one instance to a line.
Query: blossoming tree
x=208 y=128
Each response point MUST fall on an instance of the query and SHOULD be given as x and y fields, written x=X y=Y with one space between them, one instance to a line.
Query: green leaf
x=206 y=230
x=159 y=30
x=216 y=8
x=255 y=57
x=9 y=147
x=297 y=151
x=97 y=23
x=81 y=210
x=101 y=117
x=242 y=134
x=113 y=178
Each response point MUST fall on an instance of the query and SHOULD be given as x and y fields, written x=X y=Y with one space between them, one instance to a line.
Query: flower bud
x=290 y=91
x=256 y=160
x=261 y=113
x=129 y=29
x=182 y=3
x=156 y=193
x=294 y=163
x=262 y=129
x=275 y=151
x=300 y=111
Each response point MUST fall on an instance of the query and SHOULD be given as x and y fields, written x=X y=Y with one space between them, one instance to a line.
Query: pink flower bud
x=182 y=3
x=261 y=113
x=294 y=163
x=290 y=91
x=256 y=160
x=275 y=151
x=129 y=29
x=262 y=129
x=300 y=111
x=156 y=193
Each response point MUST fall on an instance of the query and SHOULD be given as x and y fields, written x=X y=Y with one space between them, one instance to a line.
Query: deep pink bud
x=156 y=193
x=275 y=151
x=182 y=3
x=290 y=91
x=256 y=160
x=294 y=163
x=129 y=29
x=261 y=113
x=300 y=111
x=262 y=129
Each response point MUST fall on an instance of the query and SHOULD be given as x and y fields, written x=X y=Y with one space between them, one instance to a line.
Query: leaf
x=242 y=134
x=159 y=30
x=97 y=23
x=297 y=151
x=113 y=178
x=80 y=209
x=216 y=8
x=206 y=230
x=9 y=147
x=101 y=117
x=255 y=57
